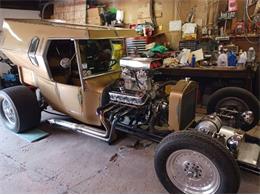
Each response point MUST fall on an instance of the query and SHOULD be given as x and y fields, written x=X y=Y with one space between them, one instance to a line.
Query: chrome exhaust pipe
x=102 y=117
x=81 y=128
x=104 y=135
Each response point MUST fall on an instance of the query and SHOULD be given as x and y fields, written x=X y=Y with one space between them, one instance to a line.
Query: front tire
x=191 y=162
x=19 y=109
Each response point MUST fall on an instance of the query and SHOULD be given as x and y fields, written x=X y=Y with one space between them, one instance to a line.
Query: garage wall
x=136 y=11
x=170 y=10
x=13 y=13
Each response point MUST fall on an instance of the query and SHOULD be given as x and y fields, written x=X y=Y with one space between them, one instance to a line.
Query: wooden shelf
x=240 y=37
x=243 y=36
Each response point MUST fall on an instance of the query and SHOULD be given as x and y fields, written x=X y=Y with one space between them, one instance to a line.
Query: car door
x=97 y=74
x=68 y=88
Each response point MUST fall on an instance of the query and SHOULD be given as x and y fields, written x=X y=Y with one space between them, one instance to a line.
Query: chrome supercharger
x=137 y=84
x=244 y=147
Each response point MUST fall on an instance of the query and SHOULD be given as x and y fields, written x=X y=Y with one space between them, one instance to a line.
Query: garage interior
x=213 y=42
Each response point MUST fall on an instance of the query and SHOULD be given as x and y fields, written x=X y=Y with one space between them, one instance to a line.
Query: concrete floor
x=66 y=162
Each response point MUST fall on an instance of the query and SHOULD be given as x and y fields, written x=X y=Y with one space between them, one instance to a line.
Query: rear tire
x=191 y=162
x=19 y=109
x=243 y=97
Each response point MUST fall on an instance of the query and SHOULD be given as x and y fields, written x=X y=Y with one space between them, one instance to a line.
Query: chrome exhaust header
x=105 y=135
x=81 y=128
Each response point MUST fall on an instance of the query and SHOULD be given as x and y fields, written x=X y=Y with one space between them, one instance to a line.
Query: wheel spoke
x=192 y=172
x=8 y=111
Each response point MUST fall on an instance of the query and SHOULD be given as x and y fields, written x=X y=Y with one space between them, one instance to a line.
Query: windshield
x=96 y=56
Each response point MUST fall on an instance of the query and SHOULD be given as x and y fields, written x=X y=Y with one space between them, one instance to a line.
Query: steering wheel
x=112 y=62
x=59 y=54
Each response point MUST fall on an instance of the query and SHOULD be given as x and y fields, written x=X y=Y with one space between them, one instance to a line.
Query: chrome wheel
x=9 y=112
x=192 y=172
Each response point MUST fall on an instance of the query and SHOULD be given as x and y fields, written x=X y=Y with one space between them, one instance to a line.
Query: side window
x=96 y=56
x=32 y=50
x=62 y=61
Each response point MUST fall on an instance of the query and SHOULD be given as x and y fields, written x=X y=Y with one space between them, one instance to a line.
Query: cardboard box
x=73 y=11
x=96 y=21
x=93 y=12
x=93 y=16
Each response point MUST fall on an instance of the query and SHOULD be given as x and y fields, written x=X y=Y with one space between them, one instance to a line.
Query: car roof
x=87 y=31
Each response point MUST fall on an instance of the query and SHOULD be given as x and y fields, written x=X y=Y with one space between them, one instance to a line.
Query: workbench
x=214 y=78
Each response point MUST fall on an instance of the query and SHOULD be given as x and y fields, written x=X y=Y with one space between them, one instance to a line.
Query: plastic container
x=232 y=59
x=193 y=60
x=222 y=60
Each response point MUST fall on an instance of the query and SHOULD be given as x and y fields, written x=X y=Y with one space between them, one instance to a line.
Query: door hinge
x=80 y=96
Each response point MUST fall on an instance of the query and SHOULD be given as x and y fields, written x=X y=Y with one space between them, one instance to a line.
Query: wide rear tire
x=191 y=162
x=19 y=109
x=237 y=99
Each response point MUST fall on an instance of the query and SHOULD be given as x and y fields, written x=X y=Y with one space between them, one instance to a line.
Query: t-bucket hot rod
x=70 y=68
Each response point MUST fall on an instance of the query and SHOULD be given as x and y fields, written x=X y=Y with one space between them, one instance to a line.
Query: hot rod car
x=70 y=68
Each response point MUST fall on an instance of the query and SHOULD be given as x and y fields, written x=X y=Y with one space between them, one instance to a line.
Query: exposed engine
x=147 y=100
x=136 y=85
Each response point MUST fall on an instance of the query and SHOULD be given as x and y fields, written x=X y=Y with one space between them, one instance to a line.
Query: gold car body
x=80 y=102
